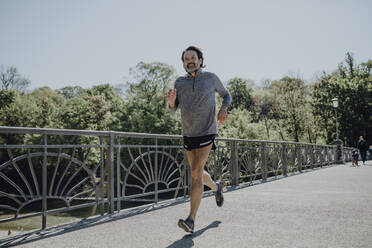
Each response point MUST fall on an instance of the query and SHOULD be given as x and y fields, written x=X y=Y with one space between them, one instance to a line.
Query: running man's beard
x=190 y=69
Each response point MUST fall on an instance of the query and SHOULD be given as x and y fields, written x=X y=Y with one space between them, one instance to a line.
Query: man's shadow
x=187 y=240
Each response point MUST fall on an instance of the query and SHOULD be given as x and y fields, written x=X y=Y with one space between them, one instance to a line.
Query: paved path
x=330 y=207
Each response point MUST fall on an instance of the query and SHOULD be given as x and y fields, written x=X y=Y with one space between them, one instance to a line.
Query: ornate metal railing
x=45 y=171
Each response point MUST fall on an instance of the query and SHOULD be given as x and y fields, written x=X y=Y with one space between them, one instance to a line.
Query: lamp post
x=337 y=141
x=335 y=105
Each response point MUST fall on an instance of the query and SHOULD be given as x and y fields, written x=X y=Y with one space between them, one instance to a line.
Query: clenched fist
x=222 y=114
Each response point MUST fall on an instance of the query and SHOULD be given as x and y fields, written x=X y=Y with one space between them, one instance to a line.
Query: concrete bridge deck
x=329 y=207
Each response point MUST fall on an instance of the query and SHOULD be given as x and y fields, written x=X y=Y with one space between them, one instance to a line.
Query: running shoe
x=218 y=194
x=187 y=225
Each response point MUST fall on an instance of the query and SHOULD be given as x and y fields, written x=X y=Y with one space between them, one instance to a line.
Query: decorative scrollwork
x=218 y=163
x=151 y=168
x=250 y=162
x=68 y=179
x=274 y=164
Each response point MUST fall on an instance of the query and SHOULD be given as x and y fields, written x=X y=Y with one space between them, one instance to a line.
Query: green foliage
x=241 y=93
x=111 y=97
x=291 y=105
x=146 y=106
x=239 y=125
x=7 y=97
x=88 y=113
x=285 y=109
x=71 y=92
x=266 y=109
x=352 y=85
x=49 y=104
x=20 y=113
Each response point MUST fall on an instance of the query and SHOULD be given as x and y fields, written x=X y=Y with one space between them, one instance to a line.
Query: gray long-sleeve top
x=196 y=100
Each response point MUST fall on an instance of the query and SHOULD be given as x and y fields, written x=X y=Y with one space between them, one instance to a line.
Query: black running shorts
x=190 y=143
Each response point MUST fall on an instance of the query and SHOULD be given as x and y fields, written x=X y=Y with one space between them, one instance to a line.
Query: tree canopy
x=285 y=109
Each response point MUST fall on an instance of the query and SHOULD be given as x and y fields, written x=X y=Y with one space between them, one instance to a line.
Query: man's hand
x=172 y=94
x=222 y=114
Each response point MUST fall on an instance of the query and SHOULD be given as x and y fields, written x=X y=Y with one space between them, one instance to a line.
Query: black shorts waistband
x=190 y=143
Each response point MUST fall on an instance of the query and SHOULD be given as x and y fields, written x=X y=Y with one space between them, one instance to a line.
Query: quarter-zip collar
x=198 y=72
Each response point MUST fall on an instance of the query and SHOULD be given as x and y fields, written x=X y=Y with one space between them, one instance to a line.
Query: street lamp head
x=335 y=102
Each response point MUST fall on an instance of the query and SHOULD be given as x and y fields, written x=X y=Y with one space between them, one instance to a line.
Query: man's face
x=191 y=63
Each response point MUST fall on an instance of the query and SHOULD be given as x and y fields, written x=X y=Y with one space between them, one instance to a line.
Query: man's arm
x=222 y=114
x=172 y=100
x=224 y=93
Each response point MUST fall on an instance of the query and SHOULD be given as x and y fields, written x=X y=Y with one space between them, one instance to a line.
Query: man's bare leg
x=198 y=158
x=207 y=180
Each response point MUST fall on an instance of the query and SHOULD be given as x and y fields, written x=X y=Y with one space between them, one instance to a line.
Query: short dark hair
x=198 y=52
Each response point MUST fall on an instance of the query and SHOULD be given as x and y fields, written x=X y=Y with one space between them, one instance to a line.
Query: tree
x=266 y=109
x=87 y=113
x=12 y=79
x=69 y=92
x=322 y=94
x=111 y=96
x=239 y=125
x=291 y=101
x=22 y=112
x=7 y=97
x=41 y=108
x=146 y=104
x=49 y=105
x=352 y=85
x=241 y=93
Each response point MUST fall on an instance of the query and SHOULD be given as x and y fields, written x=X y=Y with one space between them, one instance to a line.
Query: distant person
x=362 y=147
x=194 y=94
x=370 y=152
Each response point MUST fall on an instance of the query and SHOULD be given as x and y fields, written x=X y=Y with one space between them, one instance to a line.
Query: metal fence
x=45 y=171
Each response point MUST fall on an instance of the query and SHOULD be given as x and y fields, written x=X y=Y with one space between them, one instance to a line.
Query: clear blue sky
x=87 y=42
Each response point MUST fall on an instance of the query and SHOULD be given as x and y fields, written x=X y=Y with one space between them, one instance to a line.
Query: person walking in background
x=194 y=94
x=362 y=147
x=370 y=152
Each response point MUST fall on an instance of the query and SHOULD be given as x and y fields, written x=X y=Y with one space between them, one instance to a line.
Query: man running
x=194 y=94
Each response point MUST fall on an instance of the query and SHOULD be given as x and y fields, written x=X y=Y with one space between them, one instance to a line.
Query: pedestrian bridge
x=49 y=171
x=327 y=207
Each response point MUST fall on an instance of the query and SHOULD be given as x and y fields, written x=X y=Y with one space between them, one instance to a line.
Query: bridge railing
x=46 y=171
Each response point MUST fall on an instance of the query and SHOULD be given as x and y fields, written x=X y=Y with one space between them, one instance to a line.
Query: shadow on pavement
x=187 y=240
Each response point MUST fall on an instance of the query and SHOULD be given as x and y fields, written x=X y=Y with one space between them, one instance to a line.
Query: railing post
x=306 y=147
x=323 y=156
x=44 y=182
x=156 y=171
x=312 y=159
x=102 y=175
x=284 y=159
x=111 y=174
x=234 y=164
x=118 y=175
x=299 y=158
x=215 y=173
x=264 y=162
